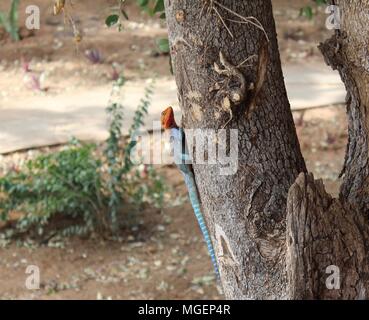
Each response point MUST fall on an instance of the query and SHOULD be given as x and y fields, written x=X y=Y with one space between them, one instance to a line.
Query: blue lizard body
x=182 y=160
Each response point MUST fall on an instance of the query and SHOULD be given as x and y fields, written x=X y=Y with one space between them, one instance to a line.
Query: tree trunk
x=247 y=212
x=322 y=231
x=348 y=52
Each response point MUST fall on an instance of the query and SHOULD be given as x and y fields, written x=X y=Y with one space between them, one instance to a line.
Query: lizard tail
x=194 y=198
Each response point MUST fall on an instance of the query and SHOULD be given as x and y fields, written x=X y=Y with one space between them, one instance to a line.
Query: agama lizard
x=182 y=160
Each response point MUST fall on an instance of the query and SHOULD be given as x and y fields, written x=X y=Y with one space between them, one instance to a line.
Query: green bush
x=10 y=21
x=84 y=188
x=67 y=182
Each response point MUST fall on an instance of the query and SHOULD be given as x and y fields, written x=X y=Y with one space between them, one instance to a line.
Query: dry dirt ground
x=163 y=256
x=52 y=52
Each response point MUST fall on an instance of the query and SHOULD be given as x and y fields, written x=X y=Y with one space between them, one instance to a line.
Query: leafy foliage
x=153 y=7
x=118 y=160
x=308 y=12
x=116 y=17
x=77 y=183
x=112 y=154
x=112 y=20
x=66 y=182
x=10 y=20
x=163 y=45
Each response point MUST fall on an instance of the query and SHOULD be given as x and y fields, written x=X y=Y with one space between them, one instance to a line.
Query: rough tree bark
x=322 y=231
x=267 y=249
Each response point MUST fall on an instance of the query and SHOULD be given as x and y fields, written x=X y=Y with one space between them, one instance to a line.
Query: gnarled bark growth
x=348 y=52
x=323 y=232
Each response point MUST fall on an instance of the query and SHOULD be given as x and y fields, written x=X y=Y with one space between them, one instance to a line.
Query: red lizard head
x=167 y=119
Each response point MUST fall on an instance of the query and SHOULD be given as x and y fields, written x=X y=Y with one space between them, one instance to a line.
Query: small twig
x=221 y=19
x=249 y=58
x=229 y=120
x=181 y=40
x=212 y=7
x=246 y=20
x=202 y=9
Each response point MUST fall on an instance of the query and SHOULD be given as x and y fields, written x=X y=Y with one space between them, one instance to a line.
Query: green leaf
x=112 y=20
x=10 y=21
x=307 y=12
x=143 y=3
x=163 y=45
x=4 y=21
x=13 y=20
x=159 y=6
